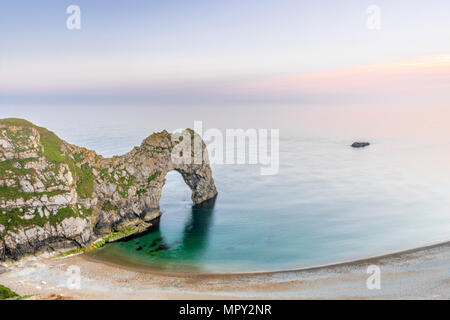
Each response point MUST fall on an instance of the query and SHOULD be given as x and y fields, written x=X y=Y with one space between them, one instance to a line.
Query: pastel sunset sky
x=234 y=51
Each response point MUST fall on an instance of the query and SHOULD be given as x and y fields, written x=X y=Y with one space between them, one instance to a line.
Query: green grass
x=107 y=206
x=153 y=176
x=86 y=212
x=18 y=138
x=123 y=233
x=144 y=188
x=12 y=219
x=84 y=176
x=52 y=153
x=113 y=236
x=52 y=146
x=85 y=186
x=64 y=213
x=14 y=192
x=78 y=157
x=9 y=165
x=158 y=149
x=93 y=246
x=139 y=192
x=124 y=183
x=6 y=293
x=16 y=122
x=49 y=140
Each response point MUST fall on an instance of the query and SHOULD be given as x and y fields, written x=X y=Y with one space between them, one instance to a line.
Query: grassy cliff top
x=16 y=122
x=53 y=152
x=49 y=140
x=6 y=293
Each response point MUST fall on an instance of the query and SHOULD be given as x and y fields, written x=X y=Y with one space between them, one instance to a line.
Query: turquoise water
x=329 y=202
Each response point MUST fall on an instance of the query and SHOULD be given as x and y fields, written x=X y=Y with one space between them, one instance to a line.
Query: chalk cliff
x=54 y=195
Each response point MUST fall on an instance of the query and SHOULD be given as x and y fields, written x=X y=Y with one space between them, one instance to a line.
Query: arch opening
x=183 y=230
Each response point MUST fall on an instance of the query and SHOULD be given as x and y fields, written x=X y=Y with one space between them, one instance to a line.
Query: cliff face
x=56 y=195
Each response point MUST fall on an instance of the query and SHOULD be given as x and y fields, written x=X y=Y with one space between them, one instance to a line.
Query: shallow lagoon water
x=329 y=203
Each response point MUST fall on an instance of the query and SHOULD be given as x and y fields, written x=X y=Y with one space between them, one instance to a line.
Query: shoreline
x=370 y=259
x=419 y=273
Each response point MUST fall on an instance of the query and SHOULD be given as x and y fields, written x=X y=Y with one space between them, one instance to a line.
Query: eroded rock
x=56 y=195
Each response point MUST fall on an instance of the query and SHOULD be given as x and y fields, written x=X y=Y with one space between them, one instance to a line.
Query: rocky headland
x=56 y=196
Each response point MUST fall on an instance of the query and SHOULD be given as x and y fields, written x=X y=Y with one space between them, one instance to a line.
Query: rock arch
x=147 y=165
x=60 y=195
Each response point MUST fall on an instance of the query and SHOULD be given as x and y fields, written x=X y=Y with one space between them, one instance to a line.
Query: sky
x=234 y=51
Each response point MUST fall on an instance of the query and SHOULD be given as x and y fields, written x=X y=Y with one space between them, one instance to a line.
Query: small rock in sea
x=139 y=249
x=360 y=144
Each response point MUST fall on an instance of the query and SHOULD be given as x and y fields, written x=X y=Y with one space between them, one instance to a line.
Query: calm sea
x=328 y=203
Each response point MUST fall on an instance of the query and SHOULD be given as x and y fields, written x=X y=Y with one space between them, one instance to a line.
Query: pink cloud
x=415 y=74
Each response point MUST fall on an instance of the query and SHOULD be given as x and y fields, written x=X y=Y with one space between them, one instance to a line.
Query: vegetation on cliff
x=6 y=293
x=57 y=195
x=113 y=236
x=18 y=131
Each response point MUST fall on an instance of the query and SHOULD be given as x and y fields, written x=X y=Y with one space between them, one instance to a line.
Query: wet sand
x=422 y=273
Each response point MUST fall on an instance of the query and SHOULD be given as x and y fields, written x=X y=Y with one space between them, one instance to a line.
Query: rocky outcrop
x=56 y=195
x=360 y=144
